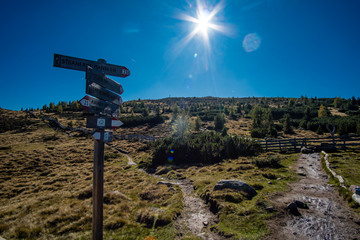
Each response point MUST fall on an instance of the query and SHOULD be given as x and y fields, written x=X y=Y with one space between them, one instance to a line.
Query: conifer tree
x=197 y=123
x=322 y=111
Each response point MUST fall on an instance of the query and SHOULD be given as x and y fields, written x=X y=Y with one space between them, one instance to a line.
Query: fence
x=295 y=144
x=137 y=137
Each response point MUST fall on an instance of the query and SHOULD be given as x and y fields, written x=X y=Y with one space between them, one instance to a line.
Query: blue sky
x=264 y=48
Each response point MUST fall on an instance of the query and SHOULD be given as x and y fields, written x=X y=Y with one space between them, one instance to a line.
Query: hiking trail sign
x=80 y=64
x=100 y=107
x=104 y=103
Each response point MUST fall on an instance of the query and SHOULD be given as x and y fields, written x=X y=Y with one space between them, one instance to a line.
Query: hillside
x=46 y=172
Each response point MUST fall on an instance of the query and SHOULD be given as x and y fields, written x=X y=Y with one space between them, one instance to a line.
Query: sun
x=203 y=22
x=203 y=25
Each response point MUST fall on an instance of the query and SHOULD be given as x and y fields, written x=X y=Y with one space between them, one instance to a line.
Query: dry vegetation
x=46 y=179
x=46 y=182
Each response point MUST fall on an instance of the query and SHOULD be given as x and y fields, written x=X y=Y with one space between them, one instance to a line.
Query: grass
x=345 y=163
x=46 y=179
x=240 y=217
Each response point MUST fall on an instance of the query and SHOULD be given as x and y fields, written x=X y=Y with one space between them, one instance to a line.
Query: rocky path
x=328 y=216
x=196 y=217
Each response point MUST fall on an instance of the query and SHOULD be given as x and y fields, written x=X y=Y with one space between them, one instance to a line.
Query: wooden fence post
x=266 y=144
x=280 y=145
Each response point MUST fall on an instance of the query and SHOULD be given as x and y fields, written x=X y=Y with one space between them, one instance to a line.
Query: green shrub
x=202 y=148
x=268 y=162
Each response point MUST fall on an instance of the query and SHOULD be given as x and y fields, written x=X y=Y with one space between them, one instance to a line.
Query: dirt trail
x=328 y=216
x=196 y=217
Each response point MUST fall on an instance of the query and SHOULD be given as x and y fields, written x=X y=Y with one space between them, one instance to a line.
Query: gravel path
x=328 y=216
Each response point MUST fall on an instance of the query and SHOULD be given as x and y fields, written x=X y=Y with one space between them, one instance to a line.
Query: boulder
x=236 y=185
x=306 y=150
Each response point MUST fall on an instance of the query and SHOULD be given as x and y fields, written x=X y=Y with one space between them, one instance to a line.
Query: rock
x=270 y=209
x=356 y=198
x=355 y=189
x=300 y=204
x=235 y=185
x=293 y=209
x=169 y=184
x=306 y=150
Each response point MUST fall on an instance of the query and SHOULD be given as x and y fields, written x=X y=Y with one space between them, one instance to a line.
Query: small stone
x=269 y=182
x=293 y=209
x=206 y=223
x=270 y=209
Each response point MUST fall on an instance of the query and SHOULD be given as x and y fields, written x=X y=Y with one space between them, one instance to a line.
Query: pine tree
x=219 y=122
x=287 y=124
x=52 y=107
x=307 y=113
x=60 y=109
x=197 y=123
x=145 y=112
x=322 y=111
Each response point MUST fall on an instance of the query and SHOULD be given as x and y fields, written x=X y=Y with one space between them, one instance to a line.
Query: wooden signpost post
x=105 y=105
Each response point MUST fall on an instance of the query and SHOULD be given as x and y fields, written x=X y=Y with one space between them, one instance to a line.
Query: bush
x=202 y=148
x=268 y=162
x=257 y=133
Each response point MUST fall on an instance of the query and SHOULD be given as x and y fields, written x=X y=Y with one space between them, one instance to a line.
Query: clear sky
x=181 y=48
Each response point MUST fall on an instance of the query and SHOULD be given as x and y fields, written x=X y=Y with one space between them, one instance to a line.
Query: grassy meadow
x=46 y=174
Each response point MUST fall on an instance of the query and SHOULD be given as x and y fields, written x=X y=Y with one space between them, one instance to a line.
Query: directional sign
x=98 y=91
x=103 y=136
x=97 y=106
x=82 y=64
x=104 y=81
x=102 y=122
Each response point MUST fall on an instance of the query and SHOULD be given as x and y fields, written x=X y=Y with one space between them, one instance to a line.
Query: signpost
x=105 y=105
x=82 y=64
x=100 y=107
x=102 y=122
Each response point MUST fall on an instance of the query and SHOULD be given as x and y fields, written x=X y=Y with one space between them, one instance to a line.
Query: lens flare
x=172 y=151
x=170 y=159
x=251 y=42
